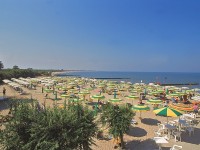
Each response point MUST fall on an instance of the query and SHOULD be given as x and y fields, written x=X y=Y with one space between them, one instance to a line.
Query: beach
x=140 y=135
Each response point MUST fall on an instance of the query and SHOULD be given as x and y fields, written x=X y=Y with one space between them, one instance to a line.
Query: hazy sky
x=115 y=35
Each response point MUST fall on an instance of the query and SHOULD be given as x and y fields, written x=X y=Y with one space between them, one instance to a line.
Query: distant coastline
x=64 y=72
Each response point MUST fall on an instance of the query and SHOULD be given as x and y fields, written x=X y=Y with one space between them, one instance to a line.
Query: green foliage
x=16 y=73
x=35 y=128
x=117 y=118
x=1 y=65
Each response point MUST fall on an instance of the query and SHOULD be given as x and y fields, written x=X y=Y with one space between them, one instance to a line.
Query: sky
x=101 y=35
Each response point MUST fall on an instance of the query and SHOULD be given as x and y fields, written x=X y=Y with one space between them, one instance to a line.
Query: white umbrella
x=185 y=88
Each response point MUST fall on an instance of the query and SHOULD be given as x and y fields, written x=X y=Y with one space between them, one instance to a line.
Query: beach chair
x=133 y=122
x=162 y=128
x=190 y=129
x=159 y=133
x=176 y=134
x=176 y=147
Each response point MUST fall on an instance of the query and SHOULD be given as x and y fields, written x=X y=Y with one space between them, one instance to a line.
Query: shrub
x=35 y=128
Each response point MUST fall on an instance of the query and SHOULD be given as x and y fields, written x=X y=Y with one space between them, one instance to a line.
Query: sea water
x=145 y=77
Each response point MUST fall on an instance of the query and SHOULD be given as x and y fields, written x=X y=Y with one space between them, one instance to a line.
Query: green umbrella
x=84 y=93
x=168 y=112
x=65 y=96
x=75 y=100
x=89 y=89
x=115 y=100
x=180 y=93
x=167 y=91
x=154 y=101
x=155 y=93
x=63 y=88
x=133 y=91
x=48 y=90
x=132 y=97
x=173 y=94
x=56 y=98
x=97 y=97
x=140 y=108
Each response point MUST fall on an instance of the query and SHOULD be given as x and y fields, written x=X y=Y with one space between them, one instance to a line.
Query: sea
x=144 y=77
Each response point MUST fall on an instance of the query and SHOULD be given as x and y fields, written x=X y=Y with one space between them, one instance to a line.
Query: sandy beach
x=138 y=138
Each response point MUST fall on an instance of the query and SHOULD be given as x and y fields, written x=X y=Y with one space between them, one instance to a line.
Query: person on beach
x=173 y=100
x=4 y=92
x=166 y=103
x=196 y=108
x=46 y=96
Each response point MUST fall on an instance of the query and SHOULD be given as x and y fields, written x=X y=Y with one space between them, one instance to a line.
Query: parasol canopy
x=154 y=101
x=140 y=108
x=168 y=112
x=114 y=100
x=132 y=97
x=97 y=97
x=182 y=107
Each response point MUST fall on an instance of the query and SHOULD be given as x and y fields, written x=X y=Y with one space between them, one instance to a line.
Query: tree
x=118 y=119
x=15 y=67
x=34 y=127
x=1 y=65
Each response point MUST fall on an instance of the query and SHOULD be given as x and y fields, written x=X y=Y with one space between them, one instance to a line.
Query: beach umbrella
x=154 y=93
x=97 y=97
x=182 y=107
x=188 y=91
x=154 y=101
x=145 y=91
x=84 y=93
x=76 y=100
x=64 y=88
x=115 y=100
x=197 y=98
x=132 y=97
x=115 y=94
x=185 y=88
x=160 y=91
x=196 y=89
x=74 y=91
x=181 y=93
x=122 y=89
x=56 y=95
x=173 y=94
x=133 y=91
x=168 y=112
x=167 y=91
x=48 y=90
x=65 y=96
x=140 y=108
x=89 y=89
